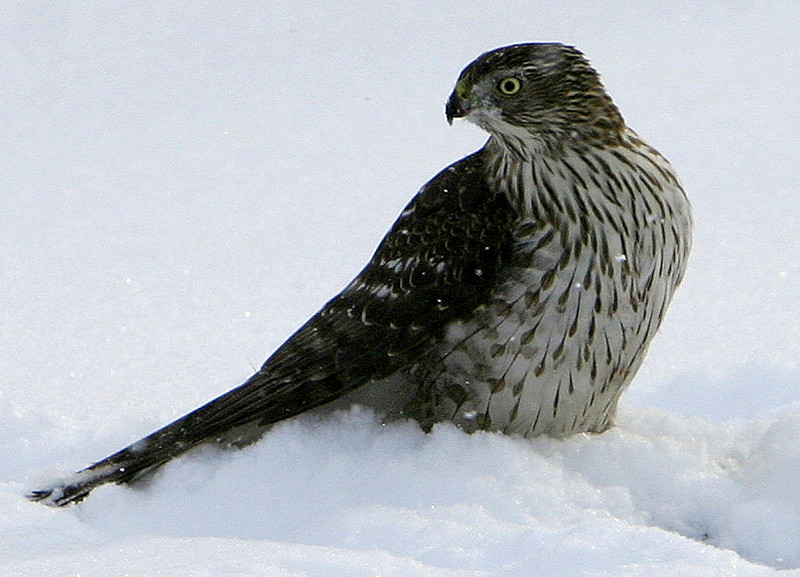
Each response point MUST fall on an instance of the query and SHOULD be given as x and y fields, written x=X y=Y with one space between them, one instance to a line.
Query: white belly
x=558 y=343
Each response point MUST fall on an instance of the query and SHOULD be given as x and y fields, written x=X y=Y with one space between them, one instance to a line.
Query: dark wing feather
x=439 y=262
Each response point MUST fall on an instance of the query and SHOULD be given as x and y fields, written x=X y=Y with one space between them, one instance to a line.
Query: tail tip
x=58 y=495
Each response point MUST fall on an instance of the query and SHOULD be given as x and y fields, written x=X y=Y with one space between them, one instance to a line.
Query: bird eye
x=509 y=86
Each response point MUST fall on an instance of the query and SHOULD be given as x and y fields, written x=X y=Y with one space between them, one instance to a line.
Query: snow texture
x=183 y=184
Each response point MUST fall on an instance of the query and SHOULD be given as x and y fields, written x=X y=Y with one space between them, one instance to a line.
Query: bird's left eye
x=509 y=86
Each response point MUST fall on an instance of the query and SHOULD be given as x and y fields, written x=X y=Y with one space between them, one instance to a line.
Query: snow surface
x=184 y=184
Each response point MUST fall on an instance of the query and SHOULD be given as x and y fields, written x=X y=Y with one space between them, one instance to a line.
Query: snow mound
x=655 y=492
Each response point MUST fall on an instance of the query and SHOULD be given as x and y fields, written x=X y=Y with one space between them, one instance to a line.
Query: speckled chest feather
x=600 y=245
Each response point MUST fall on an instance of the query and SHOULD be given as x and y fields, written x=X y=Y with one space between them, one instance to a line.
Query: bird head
x=535 y=93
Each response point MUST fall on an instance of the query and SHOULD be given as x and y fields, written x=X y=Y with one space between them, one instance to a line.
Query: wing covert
x=438 y=262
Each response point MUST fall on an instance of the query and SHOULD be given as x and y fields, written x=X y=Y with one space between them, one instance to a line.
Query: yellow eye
x=509 y=86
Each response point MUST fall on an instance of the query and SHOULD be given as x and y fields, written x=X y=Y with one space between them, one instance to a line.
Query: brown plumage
x=517 y=292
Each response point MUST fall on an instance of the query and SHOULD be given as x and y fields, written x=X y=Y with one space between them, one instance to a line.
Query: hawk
x=517 y=292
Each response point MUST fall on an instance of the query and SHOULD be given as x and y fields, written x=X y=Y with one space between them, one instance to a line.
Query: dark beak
x=455 y=108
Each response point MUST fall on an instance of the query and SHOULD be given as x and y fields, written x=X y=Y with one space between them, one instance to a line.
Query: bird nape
x=517 y=292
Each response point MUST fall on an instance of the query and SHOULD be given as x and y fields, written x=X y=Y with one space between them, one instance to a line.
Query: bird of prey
x=517 y=292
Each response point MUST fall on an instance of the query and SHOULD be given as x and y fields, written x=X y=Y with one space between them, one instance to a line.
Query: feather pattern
x=517 y=292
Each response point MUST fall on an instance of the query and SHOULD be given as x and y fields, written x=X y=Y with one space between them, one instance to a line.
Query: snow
x=183 y=185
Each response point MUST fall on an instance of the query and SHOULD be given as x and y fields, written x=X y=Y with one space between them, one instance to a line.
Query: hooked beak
x=456 y=107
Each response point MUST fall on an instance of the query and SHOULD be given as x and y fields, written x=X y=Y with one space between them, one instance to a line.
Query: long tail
x=143 y=455
x=335 y=352
x=236 y=418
